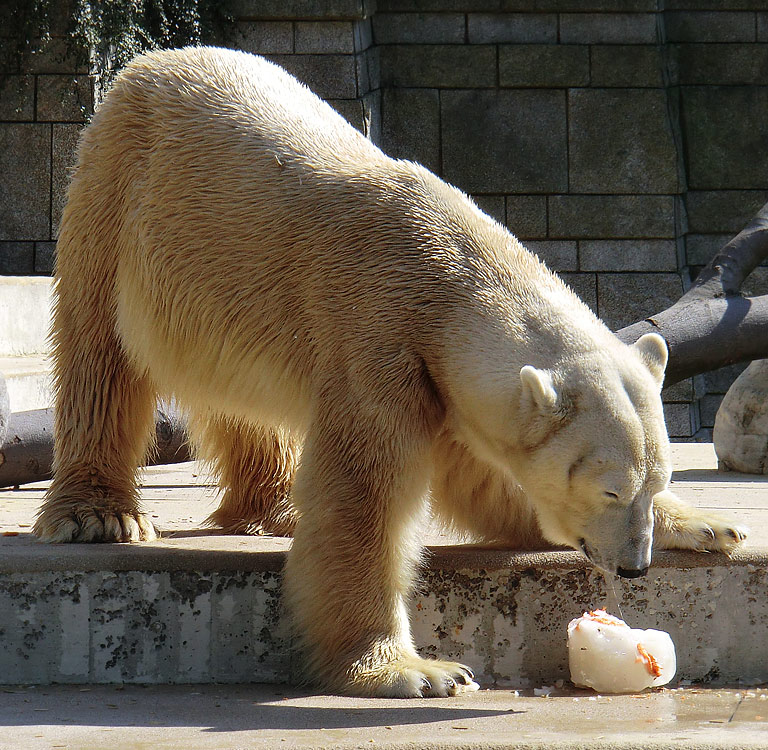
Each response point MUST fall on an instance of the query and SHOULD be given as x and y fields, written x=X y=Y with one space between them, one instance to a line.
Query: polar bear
x=347 y=332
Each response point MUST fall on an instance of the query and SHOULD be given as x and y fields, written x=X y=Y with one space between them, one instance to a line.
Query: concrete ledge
x=197 y=607
x=29 y=381
x=207 y=609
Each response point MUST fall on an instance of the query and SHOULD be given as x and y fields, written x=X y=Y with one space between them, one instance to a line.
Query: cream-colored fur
x=230 y=241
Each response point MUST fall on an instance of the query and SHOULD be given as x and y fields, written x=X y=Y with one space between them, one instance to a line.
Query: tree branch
x=713 y=324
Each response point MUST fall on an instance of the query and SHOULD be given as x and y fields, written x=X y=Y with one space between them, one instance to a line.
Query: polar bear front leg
x=678 y=525
x=103 y=423
x=360 y=494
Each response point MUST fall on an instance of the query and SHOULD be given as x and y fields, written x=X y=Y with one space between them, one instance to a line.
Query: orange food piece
x=650 y=663
x=601 y=617
x=10 y=533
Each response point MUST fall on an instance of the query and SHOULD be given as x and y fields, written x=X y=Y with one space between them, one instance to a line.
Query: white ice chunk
x=608 y=656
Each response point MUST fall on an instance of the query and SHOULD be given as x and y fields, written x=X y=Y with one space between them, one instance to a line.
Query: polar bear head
x=595 y=451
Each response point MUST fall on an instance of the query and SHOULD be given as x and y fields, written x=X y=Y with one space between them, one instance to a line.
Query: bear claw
x=91 y=526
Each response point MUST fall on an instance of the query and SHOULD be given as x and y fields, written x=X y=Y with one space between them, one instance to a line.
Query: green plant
x=113 y=31
x=110 y=32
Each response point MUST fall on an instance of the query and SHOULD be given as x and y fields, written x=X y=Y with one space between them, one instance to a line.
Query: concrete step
x=28 y=378
x=25 y=317
x=197 y=607
x=25 y=314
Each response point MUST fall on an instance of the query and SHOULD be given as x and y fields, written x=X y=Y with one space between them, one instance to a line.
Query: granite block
x=625 y=298
x=418 y=28
x=368 y=71
x=264 y=37
x=543 y=65
x=626 y=65
x=17 y=97
x=718 y=5
x=700 y=248
x=351 y=110
x=25 y=190
x=682 y=420
x=708 y=407
x=709 y=26
x=299 y=9
x=372 y=115
x=725 y=135
x=45 y=258
x=363 y=34
x=512 y=28
x=618 y=216
x=527 y=216
x=608 y=28
x=620 y=141
x=411 y=125
x=721 y=64
x=585 y=286
x=438 y=66
x=56 y=55
x=64 y=98
x=493 y=205
x=719 y=381
x=17 y=258
x=527 y=6
x=722 y=211
x=324 y=37
x=504 y=141
x=685 y=390
x=627 y=255
x=65 y=138
x=559 y=255
x=329 y=76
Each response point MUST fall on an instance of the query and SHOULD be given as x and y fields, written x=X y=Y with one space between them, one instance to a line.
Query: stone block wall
x=43 y=105
x=622 y=140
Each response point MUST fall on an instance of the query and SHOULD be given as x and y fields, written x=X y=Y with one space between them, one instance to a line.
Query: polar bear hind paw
x=414 y=677
x=91 y=525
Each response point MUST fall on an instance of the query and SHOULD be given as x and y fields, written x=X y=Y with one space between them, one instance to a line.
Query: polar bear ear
x=537 y=386
x=653 y=351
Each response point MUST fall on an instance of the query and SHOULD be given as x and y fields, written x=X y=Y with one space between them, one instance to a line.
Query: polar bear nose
x=631 y=572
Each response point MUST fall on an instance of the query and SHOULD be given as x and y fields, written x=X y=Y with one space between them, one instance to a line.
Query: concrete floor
x=256 y=716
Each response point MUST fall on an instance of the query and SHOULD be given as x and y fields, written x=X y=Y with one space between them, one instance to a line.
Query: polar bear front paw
x=92 y=525
x=681 y=526
x=414 y=677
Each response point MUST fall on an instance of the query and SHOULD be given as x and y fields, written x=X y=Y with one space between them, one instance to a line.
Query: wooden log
x=27 y=453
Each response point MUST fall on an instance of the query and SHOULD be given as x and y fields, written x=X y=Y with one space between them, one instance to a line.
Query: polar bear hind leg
x=256 y=467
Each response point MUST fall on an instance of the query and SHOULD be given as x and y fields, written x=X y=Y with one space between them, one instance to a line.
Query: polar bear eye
x=611 y=495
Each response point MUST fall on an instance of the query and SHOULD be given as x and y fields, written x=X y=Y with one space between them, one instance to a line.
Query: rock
x=741 y=425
